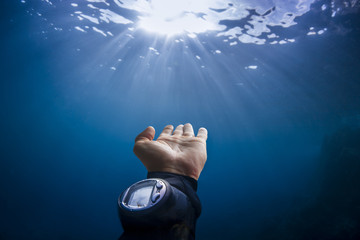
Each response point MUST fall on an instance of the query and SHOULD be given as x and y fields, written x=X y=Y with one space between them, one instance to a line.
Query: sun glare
x=172 y=17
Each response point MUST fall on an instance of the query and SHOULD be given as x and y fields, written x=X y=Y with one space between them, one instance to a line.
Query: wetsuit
x=180 y=230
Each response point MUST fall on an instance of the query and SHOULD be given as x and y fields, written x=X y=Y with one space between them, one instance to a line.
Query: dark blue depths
x=283 y=148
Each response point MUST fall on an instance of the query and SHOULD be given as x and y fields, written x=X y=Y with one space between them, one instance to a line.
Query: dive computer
x=152 y=203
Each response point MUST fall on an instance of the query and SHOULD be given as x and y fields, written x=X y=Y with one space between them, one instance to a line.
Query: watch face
x=140 y=198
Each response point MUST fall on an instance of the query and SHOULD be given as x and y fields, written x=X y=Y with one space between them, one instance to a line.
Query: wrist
x=175 y=171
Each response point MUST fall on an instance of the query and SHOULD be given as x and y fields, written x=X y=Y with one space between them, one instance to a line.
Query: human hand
x=179 y=152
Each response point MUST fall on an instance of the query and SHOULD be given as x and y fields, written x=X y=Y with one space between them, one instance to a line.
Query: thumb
x=147 y=135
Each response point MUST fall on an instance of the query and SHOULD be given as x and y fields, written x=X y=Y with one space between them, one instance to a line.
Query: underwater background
x=276 y=83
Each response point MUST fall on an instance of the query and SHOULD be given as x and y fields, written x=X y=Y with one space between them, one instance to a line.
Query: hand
x=175 y=152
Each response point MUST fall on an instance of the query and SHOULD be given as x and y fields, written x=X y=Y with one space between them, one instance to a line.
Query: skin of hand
x=179 y=152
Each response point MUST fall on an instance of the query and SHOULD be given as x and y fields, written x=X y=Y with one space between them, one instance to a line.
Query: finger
x=167 y=131
x=147 y=135
x=202 y=133
x=188 y=130
x=178 y=130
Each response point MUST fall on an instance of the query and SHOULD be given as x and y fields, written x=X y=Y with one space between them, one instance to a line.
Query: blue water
x=70 y=110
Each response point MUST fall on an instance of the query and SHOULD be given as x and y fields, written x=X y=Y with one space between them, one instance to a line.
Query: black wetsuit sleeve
x=188 y=186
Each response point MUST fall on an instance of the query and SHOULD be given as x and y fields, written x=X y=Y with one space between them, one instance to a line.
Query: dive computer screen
x=140 y=197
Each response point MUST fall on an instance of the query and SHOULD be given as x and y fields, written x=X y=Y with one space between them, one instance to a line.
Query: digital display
x=140 y=198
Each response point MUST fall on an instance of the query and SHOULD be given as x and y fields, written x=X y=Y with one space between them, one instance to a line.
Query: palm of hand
x=180 y=152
